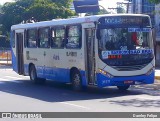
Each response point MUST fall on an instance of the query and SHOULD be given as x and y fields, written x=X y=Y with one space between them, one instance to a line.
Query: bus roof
x=58 y=22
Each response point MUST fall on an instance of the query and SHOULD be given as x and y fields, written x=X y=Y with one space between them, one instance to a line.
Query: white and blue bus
x=100 y=50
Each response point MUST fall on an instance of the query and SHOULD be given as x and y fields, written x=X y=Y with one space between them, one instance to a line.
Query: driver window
x=108 y=39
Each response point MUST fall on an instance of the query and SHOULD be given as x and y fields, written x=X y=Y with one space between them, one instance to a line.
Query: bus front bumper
x=103 y=80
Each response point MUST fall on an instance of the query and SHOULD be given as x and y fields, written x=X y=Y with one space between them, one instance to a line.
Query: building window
x=32 y=38
x=74 y=36
x=58 y=37
x=43 y=38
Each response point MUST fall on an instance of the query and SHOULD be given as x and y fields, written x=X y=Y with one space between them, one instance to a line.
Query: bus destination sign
x=124 y=20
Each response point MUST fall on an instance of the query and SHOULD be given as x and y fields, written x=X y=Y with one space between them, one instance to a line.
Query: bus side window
x=43 y=37
x=74 y=36
x=32 y=38
x=58 y=37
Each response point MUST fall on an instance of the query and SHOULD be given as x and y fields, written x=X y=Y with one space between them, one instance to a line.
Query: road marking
x=13 y=77
x=7 y=80
x=146 y=97
x=2 y=79
x=79 y=106
x=16 y=81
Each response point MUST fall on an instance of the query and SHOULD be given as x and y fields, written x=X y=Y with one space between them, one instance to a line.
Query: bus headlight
x=150 y=71
x=105 y=73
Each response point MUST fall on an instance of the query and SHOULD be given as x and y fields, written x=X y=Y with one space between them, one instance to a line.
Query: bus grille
x=129 y=68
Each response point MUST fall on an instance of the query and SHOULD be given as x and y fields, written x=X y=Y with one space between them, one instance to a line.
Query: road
x=19 y=94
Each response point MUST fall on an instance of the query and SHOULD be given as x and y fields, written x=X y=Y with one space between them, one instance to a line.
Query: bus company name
x=139 y=29
x=73 y=54
x=105 y=54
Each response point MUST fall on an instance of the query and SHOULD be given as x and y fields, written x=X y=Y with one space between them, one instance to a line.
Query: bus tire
x=123 y=88
x=76 y=80
x=33 y=76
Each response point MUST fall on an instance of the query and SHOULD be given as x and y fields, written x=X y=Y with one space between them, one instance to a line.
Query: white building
x=145 y=7
x=157 y=27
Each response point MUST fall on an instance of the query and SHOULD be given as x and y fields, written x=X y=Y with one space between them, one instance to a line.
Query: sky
x=104 y=3
x=109 y=3
x=3 y=1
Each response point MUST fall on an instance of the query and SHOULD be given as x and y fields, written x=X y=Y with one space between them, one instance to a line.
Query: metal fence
x=5 y=56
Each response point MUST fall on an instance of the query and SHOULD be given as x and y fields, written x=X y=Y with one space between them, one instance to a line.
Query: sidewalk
x=157 y=75
x=9 y=63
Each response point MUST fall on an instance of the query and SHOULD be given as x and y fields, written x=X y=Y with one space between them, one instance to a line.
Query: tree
x=65 y=3
x=43 y=10
x=120 y=10
x=40 y=10
x=155 y=1
x=0 y=8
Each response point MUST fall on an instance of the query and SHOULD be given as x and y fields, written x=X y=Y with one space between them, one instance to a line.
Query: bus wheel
x=33 y=76
x=76 y=80
x=123 y=88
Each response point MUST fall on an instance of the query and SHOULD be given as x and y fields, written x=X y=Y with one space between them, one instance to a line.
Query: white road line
x=17 y=81
x=8 y=80
x=2 y=79
x=13 y=77
x=79 y=106
x=146 y=97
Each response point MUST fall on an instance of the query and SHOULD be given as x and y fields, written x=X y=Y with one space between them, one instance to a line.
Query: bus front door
x=90 y=56
x=19 y=53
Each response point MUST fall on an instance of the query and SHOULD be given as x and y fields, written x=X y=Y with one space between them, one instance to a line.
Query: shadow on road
x=138 y=103
x=56 y=92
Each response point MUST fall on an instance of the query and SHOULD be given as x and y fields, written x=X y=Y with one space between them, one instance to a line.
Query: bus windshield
x=125 y=45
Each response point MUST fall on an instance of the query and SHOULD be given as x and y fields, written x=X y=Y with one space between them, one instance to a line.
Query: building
x=157 y=28
x=146 y=7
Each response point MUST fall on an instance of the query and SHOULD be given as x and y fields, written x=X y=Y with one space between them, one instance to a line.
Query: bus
x=100 y=51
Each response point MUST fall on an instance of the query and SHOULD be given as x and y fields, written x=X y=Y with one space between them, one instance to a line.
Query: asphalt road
x=19 y=94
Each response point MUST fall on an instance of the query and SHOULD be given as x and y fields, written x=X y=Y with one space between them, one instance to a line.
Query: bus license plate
x=128 y=82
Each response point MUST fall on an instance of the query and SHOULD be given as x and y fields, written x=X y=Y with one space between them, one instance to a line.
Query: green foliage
x=155 y=1
x=120 y=10
x=102 y=11
x=25 y=10
x=65 y=3
x=0 y=8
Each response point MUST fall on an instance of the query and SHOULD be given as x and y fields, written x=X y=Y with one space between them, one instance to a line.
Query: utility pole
x=122 y=4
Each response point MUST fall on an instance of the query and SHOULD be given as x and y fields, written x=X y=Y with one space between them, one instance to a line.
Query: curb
x=5 y=64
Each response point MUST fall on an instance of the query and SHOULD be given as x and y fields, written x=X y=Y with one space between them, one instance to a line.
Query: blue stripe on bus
x=104 y=81
x=55 y=74
x=63 y=75
x=14 y=61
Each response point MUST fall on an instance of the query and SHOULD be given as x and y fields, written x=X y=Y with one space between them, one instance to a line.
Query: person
x=122 y=43
x=134 y=38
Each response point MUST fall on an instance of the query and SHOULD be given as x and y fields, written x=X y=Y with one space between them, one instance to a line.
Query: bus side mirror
x=98 y=34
